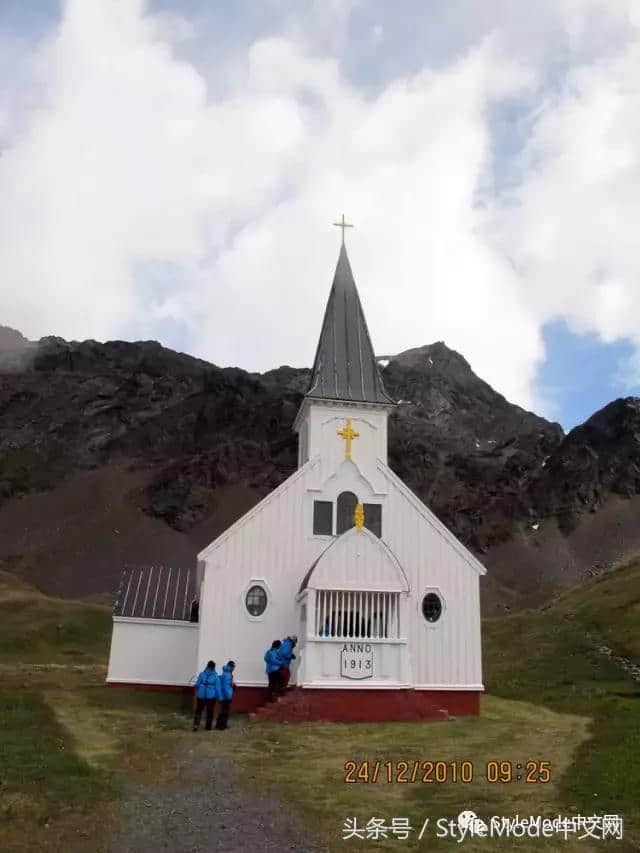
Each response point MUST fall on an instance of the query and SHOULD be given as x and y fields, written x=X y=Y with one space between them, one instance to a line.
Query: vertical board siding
x=274 y=543
x=448 y=651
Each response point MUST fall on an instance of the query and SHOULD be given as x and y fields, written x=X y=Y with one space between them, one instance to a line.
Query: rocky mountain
x=122 y=453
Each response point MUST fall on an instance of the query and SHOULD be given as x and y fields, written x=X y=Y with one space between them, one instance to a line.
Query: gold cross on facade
x=348 y=433
x=343 y=225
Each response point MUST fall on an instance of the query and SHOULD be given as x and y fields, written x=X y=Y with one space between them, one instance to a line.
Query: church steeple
x=345 y=367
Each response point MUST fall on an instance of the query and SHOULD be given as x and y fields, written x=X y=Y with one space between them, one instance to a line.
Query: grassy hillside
x=550 y=652
x=551 y=656
x=37 y=629
x=553 y=695
x=609 y=606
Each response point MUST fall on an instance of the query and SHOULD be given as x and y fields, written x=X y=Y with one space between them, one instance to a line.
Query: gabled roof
x=373 y=565
x=345 y=367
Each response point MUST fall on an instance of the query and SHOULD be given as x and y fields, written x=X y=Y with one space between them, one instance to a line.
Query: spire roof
x=345 y=367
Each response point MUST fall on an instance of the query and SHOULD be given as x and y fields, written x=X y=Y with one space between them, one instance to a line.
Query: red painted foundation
x=344 y=706
x=371 y=706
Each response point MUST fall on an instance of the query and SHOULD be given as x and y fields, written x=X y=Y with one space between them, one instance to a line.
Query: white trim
x=432 y=519
x=326 y=402
x=431 y=626
x=155 y=682
x=340 y=641
x=261 y=582
x=320 y=686
x=139 y=620
x=345 y=588
x=337 y=476
x=370 y=685
x=341 y=418
x=254 y=510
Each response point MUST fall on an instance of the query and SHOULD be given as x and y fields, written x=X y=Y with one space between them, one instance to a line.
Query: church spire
x=345 y=367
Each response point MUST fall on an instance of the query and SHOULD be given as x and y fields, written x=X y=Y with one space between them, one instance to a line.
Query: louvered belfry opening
x=349 y=614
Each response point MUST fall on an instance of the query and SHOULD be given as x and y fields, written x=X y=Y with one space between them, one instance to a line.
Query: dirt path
x=179 y=795
x=206 y=808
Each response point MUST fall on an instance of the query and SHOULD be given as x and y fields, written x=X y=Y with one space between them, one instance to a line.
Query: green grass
x=609 y=606
x=129 y=699
x=41 y=772
x=546 y=656
x=304 y=765
x=552 y=696
x=38 y=629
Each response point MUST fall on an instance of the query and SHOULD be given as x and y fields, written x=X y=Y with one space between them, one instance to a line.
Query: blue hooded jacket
x=286 y=652
x=272 y=660
x=207 y=684
x=225 y=683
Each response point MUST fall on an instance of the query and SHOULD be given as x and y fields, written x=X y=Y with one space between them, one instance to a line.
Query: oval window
x=431 y=607
x=256 y=600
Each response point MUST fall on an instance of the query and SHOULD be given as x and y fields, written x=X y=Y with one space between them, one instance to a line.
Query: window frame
x=265 y=586
x=432 y=626
x=379 y=505
x=313 y=517
x=337 y=524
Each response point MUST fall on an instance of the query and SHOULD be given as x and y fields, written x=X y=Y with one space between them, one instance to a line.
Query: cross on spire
x=343 y=225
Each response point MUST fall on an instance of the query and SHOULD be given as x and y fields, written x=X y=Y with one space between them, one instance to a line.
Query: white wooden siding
x=153 y=651
x=274 y=544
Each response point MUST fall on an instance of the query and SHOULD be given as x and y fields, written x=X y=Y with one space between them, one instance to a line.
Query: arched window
x=347 y=503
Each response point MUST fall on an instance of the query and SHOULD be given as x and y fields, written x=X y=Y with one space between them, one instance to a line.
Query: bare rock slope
x=129 y=452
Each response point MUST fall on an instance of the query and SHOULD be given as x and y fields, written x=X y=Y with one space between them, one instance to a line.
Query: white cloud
x=129 y=159
x=573 y=234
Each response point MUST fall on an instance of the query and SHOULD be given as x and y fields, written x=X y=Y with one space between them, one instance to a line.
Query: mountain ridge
x=178 y=448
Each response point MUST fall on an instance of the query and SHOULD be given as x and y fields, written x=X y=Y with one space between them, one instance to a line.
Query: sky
x=171 y=171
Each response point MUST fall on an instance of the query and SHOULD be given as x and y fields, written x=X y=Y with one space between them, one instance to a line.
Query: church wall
x=153 y=651
x=274 y=546
x=446 y=653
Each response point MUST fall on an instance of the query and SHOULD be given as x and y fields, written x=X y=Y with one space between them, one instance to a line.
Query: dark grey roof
x=156 y=592
x=345 y=366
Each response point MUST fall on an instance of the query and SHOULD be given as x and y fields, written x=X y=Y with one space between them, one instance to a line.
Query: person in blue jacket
x=226 y=686
x=273 y=665
x=286 y=656
x=206 y=690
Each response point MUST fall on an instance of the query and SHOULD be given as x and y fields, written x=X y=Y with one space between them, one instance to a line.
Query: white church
x=382 y=596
